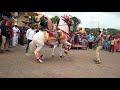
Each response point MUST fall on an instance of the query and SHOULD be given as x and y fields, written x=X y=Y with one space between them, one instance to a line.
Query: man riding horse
x=47 y=37
x=61 y=30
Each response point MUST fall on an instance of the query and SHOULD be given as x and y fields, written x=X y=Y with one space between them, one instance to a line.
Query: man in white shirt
x=29 y=35
x=16 y=33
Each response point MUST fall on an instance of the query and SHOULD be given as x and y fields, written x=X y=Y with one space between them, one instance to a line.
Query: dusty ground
x=77 y=64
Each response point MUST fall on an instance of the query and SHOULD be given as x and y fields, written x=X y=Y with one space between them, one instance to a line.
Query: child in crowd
x=112 y=44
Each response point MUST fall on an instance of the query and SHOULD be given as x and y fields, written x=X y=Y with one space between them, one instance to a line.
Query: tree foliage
x=55 y=20
x=76 y=21
x=105 y=31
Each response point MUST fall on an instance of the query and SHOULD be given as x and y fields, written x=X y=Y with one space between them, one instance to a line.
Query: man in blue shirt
x=91 y=40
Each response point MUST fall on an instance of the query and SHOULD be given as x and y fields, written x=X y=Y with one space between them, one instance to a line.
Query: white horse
x=64 y=27
x=57 y=44
x=42 y=37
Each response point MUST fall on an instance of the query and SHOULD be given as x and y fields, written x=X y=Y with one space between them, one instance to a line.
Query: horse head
x=67 y=19
x=65 y=23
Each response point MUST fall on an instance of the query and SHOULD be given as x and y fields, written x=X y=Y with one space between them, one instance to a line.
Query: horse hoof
x=53 y=56
x=27 y=54
x=40 y=61
x=41 y=57
x=66 y=52
x=64 y=55
x=61 y=56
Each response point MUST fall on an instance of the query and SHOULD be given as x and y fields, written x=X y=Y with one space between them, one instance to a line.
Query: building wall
x=21 y=18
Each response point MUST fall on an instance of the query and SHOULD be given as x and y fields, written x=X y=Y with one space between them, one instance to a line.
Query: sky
x=92 y=19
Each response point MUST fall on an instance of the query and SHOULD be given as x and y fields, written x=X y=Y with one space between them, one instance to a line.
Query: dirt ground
x=77 y=64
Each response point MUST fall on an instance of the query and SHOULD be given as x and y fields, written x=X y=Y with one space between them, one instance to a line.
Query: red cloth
x=104 y=37
x=118 y=35
x=118 y=43
x=10 y=22
x=4 y=21
x=51 y=34
x=11 y=33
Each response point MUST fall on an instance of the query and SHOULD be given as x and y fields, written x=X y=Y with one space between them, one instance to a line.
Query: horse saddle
x=50 y=37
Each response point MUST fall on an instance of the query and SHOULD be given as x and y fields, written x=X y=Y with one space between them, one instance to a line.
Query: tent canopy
x=82 y=31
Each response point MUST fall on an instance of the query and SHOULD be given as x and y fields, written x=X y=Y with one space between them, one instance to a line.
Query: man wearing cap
x=3 y=33
x=91 y=40
x=16 y=33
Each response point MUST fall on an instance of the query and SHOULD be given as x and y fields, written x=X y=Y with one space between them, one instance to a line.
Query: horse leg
x=69 y=45
x=65 y=49
x=61 y=50
x=31 y=49
x=55 y=46
x=38 y=55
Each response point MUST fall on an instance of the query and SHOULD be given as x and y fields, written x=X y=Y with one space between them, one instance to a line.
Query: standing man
x=22 y=32
x=91 y=40
x=29 y=35
x=3 y=33
x=16 y=33
x=8 y=34
x=99 y=41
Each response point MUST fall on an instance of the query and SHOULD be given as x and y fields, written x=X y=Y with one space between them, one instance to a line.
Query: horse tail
x=32 y=47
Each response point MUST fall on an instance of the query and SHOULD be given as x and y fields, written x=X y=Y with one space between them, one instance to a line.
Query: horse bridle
x=62 y=25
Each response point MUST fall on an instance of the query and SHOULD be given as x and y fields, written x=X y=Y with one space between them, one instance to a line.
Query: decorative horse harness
x=53 y=36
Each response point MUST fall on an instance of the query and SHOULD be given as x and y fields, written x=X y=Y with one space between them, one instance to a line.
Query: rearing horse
x=64 y=37
x=43 y=37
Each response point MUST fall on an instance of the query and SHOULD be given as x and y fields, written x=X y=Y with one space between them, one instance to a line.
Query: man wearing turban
x=16 y=33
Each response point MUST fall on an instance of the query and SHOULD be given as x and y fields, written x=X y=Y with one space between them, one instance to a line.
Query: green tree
x=76 y=21
x=111 y=30
x=55 y=20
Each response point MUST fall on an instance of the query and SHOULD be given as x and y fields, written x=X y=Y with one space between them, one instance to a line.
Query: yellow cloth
x=45 y=36
x=98 y=52
x=115 y=41
x=112 y=42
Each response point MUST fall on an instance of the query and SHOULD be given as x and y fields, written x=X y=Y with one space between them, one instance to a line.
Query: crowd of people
x=14 y=35
x=111 y=42
x=79 y=38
